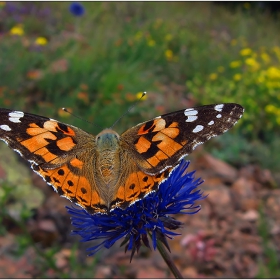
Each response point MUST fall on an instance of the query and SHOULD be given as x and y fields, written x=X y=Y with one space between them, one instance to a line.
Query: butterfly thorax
x=108 y=157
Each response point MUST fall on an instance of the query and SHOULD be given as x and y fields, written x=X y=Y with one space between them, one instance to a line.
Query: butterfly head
x=107 y=139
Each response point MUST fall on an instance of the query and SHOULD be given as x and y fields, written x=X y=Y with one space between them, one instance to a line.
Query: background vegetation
x=183 y=54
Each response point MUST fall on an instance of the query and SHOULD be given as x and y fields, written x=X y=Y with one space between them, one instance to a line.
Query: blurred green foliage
x=96 y=64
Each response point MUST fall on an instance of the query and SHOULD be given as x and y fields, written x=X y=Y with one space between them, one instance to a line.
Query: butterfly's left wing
x=160 y=143
x=62 y=154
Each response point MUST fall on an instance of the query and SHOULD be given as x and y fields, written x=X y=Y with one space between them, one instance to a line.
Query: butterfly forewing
x=38 y=139
x=160 y=143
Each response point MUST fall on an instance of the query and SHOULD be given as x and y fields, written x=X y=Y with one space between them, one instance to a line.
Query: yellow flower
x=17 y=30
x=168 y=37
x=221 y=69
x=139 y=95
x=246 y=5
x=213 y=76
x=2 y=4
x=237 y=77
x=235 y=64
x=246 y=51
x=270 y=108
x=151 y=43
x=168 y=54
x=273 y=73
x=41 y=41
x=252 y=63
x=278 y=120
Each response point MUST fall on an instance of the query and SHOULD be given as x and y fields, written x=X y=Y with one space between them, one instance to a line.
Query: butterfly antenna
x=129 y=109
x=78 y=117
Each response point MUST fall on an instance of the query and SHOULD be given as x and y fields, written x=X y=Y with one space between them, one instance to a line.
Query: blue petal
x=77 y=9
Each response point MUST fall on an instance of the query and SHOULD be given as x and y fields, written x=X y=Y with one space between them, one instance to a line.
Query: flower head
x=168 y=54
x=41 y=41
x=213 y=76
x=17 y=30
x=246 y=51
x=147 y=218
x=140 y=96
x=77 y=9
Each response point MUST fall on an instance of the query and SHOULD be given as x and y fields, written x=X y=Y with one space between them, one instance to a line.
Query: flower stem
x=168 y=260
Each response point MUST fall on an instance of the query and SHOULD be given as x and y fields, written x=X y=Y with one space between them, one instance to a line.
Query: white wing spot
x=5 y=127
x=189 y=109
x=218 y=116
x=198 y=128
x=191 y=114
x=191 y=118
x=219 y=107
x=15 y=116
x=211 y=123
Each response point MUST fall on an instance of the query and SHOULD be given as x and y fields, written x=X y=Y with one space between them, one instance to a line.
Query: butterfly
x=102 y=172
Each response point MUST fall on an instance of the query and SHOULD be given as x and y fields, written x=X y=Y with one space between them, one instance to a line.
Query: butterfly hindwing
x=160 y=143
x=134 y=184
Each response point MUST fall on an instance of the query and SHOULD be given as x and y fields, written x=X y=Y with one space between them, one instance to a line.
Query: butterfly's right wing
x=160 y=143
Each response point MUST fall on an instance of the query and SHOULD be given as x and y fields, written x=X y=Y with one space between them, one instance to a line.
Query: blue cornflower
x=146 y=218
x=77 y=9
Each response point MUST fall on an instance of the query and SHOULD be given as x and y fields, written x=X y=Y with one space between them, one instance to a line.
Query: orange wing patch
x=54 y=134
x=76 y=163
x=166 y=143
x=137 y=185
x=65 y=144
x=143 y=145
x=158 y=141
x=151 y=126
x=74 y=187
x=37 y=144
x=55 y=127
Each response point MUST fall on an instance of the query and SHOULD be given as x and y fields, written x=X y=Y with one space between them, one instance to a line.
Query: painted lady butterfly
x=110 y=170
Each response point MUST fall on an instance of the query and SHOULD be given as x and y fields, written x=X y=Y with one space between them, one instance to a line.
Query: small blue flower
x=77 y=9
x=146 y=218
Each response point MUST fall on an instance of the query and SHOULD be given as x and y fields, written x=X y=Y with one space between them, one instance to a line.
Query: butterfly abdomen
x=107 y=162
